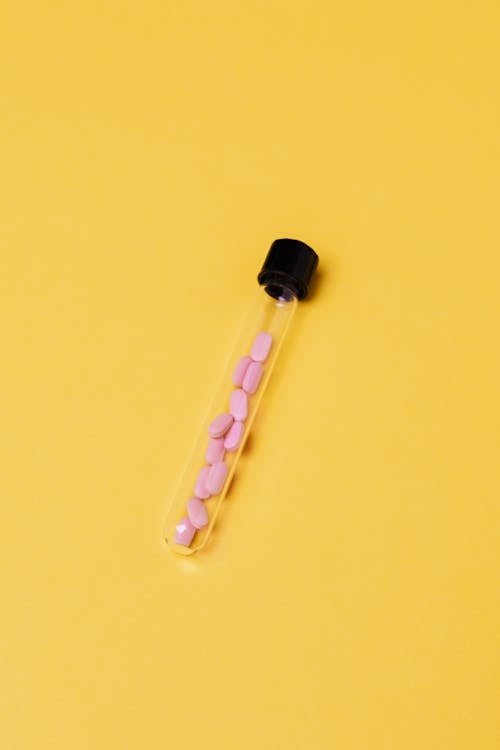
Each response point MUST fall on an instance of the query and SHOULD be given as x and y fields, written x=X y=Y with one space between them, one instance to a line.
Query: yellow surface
x=149 y=153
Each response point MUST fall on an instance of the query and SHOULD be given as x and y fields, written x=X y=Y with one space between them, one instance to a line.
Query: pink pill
x=200 y=488
x=261 y=346
x=240 y=370
x=184 y=532
x=216 y=477
x=220 y=425
x=233 y=437
x=215 y=450
x=239 y=404
x=252 y=377
x=197 y=512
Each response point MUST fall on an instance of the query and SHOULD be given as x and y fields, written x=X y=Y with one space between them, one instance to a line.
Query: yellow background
x=149 y=154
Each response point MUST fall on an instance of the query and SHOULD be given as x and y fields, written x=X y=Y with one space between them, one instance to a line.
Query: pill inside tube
x=252 y=377
x=220 y=425
x=216 y=477
x=233 y=437
x=200 y=488
x=215 y=450
x=239 y=404
x=197 y=512
x=184 y=532
x=261 y=347
x=240 y=370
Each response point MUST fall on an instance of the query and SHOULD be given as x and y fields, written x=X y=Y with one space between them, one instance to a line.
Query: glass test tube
x=284 y=280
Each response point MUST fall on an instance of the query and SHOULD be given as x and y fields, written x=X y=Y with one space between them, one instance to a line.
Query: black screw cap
x=290 y=264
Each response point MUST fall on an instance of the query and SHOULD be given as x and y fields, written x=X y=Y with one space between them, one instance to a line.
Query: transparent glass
x=271 y=312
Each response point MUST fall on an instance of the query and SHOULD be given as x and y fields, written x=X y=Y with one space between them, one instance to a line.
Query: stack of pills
x=225 y=434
